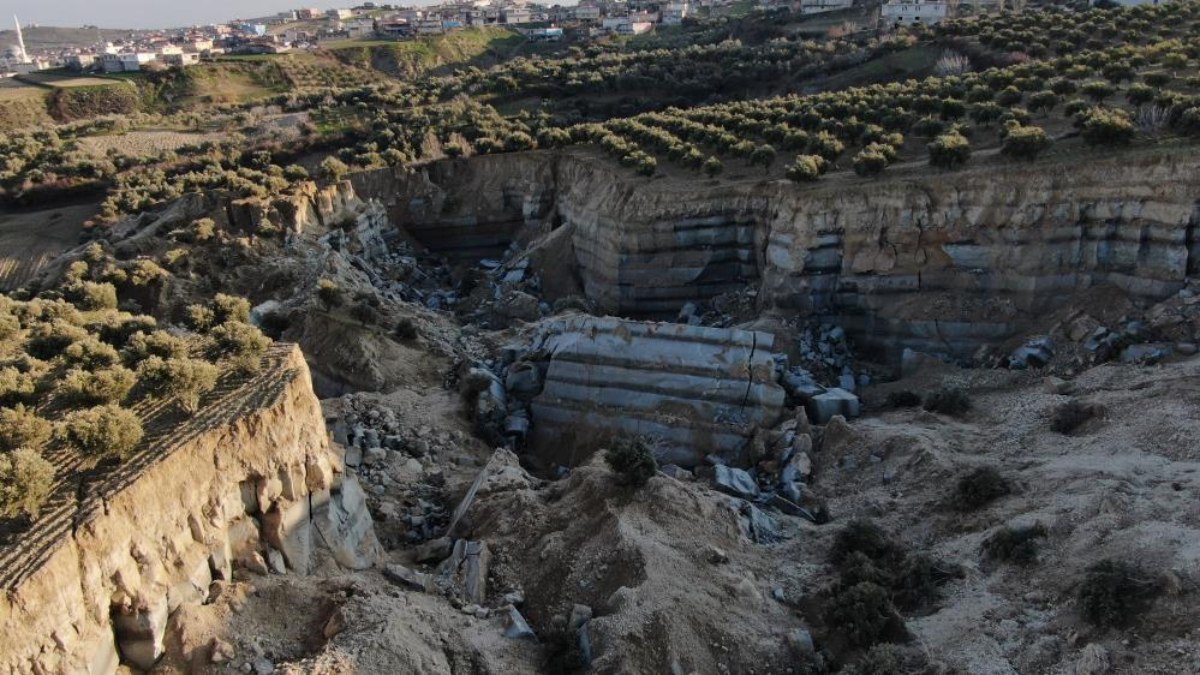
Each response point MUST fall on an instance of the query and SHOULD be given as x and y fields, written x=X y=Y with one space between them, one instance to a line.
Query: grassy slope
x=473 y=46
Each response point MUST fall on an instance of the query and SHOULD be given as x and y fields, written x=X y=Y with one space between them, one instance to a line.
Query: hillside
x=58 y=37
x=472 y=47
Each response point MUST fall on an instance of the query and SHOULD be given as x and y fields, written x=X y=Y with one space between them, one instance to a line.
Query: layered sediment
x=938 y=261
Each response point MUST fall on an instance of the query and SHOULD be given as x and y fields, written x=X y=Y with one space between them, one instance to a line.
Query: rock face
x=246 y=478
x=698 y=390
x=938 y=263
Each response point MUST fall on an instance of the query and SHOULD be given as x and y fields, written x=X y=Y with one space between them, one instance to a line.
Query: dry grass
x=142 y=143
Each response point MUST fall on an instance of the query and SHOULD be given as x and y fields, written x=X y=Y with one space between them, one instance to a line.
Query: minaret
x=20 y=40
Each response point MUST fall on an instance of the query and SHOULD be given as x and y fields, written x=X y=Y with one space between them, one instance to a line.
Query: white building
x=587 y=13
x=624 y=25
x=511 y=15
x=911 y=12
x=125 y=62
x=674 y=13
x=818 y=6
x=339 y=14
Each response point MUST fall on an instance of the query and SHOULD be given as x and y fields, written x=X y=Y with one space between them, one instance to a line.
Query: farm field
x=30 y=240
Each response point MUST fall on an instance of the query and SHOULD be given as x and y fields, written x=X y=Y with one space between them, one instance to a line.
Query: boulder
x=823 y=407
x=518 y=627
x=735 y=482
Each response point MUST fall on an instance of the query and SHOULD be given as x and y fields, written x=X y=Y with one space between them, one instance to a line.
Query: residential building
x=818 y=6
x=674 y=13
x=552 y=34
x=625 y=25
x=308 y=14
x=180 y=60
x=429 y=27
x=340 y=14
x=910 y=12
x=81 y=61
x=515 y=15
x=587 y=13
x=200 y=44
x=396 y=29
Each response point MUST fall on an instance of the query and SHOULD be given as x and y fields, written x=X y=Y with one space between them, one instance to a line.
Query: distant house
x=674 y=13
x=339 y=14
x=180 y=60
x=587 y=13
x=911 y=12
x=308 y=14
x=429 y=27
x=359 y=27
x=81 y=61
x=552 y=34
x=515 y=15
x=396 y=29
x=200 y=44
x=818 y=6
x=125 y=62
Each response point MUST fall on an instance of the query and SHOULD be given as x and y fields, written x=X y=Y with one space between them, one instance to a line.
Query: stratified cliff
x=250 y=477
x=935 y=260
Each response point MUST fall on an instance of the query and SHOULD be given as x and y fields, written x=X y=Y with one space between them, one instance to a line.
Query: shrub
x=887 y=659
x=183 y=379
x=406 y=329
x=20 y=428
x=330 y=294
x=862 y=613
x=949 y=150
x=1024 y=142
x=1097 y=90
x=763 y=155
x=203 y=230
x=632 y=459
x=979 y=488
x=200 y=317
x=1189 y=122
x=903 y=399
x=1043 y=101
x=332 y=169
x=158 y=343
x=17 y=387
x=26 y=480
x=870 y=161
x=95 y=387
x=1017 y=545
x=91 y=296
x=230 y=308
x=48 y=340
x=9 y=326
x=1140 y=94
x=242 y=343
x=1069 y=416
x=711 y=167
x=90 y=353
x=867 y=538
x=827 y=146
x=104 y=432
x=1114 y=591
x=366 y=310
x=1102 y=126
x=807 y=168
x=948 y=400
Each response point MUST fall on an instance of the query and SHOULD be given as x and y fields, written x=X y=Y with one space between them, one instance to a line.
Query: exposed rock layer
x=217 y=490
x=935 y=261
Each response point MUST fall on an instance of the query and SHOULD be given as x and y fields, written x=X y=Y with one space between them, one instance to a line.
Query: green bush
x=97 y=386
x=230 y=308
x=979 y=488
x=711 y=167
x=26 y=480
x=1189 y=122
x=157 y=343
x=861 y=613
x=1016 y=545
x=807 y=168
x=867 y=538
x=1102 y=126
x=949 y=150
x=948 y=400
x=1113 y=592
x=243 y=344
x=89 y=354
x=48 y=340
x=103 y=432
x=180 y=378
x=827 y=146
x=1097 y=90
x=332 y=169
x=17 y=387
x=330 y=294
x=870 y=161
x=632 y=459
x=91 y=296
x=1024 y=142
x=21 y=428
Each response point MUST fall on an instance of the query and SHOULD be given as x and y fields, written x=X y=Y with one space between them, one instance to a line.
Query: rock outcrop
x=934 y=261
x=250 y=477
x=696 y=390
